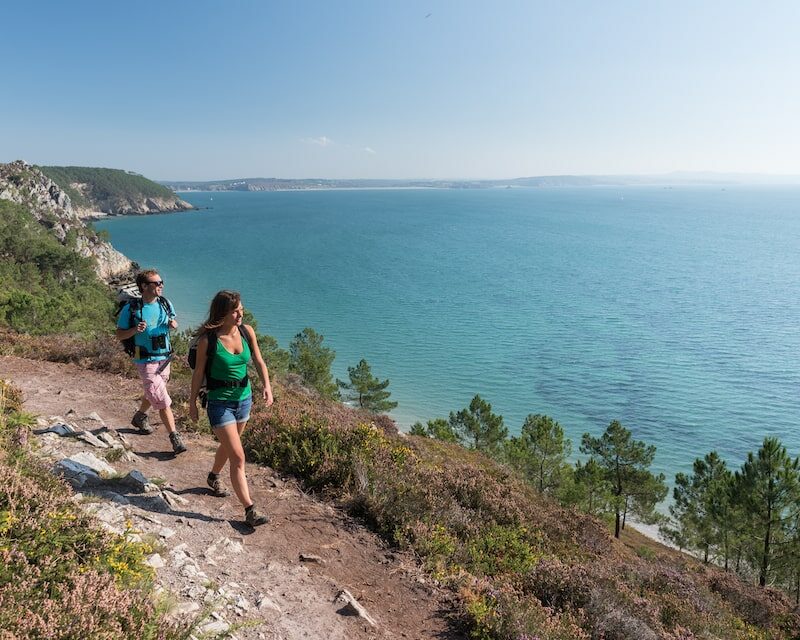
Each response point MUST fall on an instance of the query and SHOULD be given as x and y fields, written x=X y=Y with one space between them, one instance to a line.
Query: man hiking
x=148 y=322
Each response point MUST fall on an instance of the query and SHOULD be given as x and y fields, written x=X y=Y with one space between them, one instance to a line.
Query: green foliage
x=702 y=508
x=591 y=489
x=625 y=465
x=438 y=428
x=503 y=549
x=478 y=427
x=540 y=452
x=105 y=184
x=366 y=389
x=312 y=361
x=768 y=488
x=277 y=359
x=44 y=286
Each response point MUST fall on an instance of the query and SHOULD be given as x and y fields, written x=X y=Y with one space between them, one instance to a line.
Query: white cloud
x=369 y=150
x=322 y=141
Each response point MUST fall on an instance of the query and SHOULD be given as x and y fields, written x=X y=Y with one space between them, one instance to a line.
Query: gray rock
x=136 y=480
x=153 y=503
x=264 y=604
x=174 y=500
x=89 y=438
x=93 y=462
x=105 y=512
x=59 y=428
x=309 y=557
x=83 y=469
x=93 y=416
x=352 y=607
x=155 y=561
x=110 y=440
x=216 y=627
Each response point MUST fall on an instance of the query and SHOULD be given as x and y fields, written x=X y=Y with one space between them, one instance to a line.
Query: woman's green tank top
x=230 y=366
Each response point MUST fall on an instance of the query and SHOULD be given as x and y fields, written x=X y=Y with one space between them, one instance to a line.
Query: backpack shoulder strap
x=246 y=337
x=167 y=306
x=211 y=349
x=134 y=306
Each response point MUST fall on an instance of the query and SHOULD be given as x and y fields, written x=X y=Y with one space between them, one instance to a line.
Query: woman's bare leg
x=231 y=446
x=221 y=455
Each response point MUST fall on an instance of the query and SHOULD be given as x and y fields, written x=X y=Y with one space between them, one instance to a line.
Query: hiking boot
x=217 y=488
x=177 y=442
x=142 y=423
x=253 y=517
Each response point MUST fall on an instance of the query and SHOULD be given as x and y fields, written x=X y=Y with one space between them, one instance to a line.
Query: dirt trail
x=211 y=556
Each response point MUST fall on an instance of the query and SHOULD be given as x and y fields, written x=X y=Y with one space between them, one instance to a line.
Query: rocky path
x=312 y=572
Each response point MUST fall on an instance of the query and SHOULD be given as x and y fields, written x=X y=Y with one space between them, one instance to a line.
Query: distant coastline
x=319 y=184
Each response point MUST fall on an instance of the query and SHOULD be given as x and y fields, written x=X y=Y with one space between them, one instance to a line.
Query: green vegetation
x=478 y=428
x=61 y=575
x=46 y=287
x=105 y=184
x=625 y=465
x=540 y=452
x=438 y=429
x=521 y=566
x=366 y=389
x=312 y=362
x=748 y=519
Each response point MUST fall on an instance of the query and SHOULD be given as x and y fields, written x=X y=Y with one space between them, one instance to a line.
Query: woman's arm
x=261 y=366
x=198 y=375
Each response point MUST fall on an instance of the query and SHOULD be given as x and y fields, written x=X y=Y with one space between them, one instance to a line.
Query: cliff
x=97 y=192
x=52 y=207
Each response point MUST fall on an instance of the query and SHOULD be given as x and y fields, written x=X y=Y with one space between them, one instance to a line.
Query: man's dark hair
x=143 y=276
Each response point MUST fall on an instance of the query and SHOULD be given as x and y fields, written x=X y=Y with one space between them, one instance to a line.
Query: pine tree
x=701 y=507
x=366 y=389
x=478 y=427
x=312 y=361
x=439 y=429
x=540 y=451
x=767 y=488
x=625 y=463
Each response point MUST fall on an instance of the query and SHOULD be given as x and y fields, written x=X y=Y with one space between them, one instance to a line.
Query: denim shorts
x=221 y=413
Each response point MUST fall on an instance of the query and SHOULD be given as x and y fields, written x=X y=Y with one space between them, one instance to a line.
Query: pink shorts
x=155 y=384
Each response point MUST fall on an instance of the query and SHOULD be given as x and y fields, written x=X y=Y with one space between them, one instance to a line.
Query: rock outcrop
x=51 y=206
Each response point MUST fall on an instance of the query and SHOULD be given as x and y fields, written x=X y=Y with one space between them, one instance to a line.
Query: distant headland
x=297 y=184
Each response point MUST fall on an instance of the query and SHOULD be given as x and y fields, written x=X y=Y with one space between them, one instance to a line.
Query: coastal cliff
x=52 y=207
x=97 y=192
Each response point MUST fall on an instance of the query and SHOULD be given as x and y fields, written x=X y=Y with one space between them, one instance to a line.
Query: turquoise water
x=674 y=311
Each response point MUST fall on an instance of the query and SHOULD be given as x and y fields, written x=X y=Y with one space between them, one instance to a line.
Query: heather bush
x=523 y=567
x=61 y=575
x=101 y=352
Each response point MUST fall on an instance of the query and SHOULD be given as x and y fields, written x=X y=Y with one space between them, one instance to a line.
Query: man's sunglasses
x=158 y=283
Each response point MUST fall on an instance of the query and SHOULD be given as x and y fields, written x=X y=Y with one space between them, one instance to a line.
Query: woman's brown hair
x=223 y=303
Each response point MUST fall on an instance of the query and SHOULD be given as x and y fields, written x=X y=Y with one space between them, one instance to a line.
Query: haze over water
x=674 y=311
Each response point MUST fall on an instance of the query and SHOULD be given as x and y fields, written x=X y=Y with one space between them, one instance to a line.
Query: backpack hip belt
x=213 y=383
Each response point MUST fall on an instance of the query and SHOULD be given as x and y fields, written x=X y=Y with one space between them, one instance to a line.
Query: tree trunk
x=762 y=574
x=616 y=524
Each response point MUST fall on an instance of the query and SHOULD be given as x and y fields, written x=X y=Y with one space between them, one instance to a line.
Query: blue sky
x=412 y=89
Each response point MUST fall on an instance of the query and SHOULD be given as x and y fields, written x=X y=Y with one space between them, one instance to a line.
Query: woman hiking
x=224 y=348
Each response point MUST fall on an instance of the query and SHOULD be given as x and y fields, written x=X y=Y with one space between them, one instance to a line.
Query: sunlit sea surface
x=674 y=311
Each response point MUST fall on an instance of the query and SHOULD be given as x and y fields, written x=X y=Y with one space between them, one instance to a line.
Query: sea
x=673 y=310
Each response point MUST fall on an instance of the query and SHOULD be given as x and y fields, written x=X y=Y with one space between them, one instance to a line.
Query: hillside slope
x=95 y=191
x=208 y=555
x=49 y=204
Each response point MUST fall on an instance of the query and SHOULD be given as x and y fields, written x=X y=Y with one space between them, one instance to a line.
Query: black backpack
x=127 y=296
x=210 y=383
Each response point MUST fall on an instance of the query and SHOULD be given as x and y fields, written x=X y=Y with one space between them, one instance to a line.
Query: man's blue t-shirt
x=157 y=320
